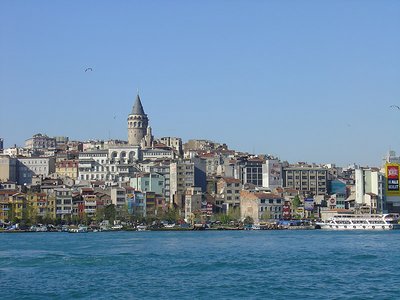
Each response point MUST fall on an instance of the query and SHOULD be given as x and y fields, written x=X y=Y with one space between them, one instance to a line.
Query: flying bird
x=88 y=69
x=395 y=106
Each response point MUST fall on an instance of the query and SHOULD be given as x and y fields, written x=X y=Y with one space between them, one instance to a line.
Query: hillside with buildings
x=54 y=179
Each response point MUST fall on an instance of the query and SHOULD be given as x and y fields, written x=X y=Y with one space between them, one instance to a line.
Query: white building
x=118 y=197
x=172 y=142
x=369 y=189
x=39 y=142
x=272 y=174
x=27 y=167
x=116 y=164
x=157 y=154
x=162 y=168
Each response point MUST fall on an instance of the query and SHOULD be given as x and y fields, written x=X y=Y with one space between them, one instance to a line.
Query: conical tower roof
x=137 y=107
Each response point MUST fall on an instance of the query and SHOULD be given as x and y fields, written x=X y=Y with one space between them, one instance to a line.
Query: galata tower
x=137 y=123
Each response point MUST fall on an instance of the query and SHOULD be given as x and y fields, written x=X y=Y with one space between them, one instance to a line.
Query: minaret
x=137 y=123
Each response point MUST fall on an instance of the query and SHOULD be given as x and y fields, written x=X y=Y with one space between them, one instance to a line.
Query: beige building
x=260 y=206
x=8 y=168
x=39 y=142
x=228 y=192
x=42 y=205
x=306 y=179
x=214 y=162
x=118 y=197
x=193 y=198
x=68 y=168
x=173 y=143
x=181 y=178
x=63 y=203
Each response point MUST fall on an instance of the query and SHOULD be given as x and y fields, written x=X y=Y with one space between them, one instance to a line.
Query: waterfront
x=200 y=265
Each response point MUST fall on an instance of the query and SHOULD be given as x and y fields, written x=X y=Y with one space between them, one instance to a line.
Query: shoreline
x=173 y=229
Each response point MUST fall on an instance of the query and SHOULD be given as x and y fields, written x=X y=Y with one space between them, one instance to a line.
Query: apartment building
x=306 y=179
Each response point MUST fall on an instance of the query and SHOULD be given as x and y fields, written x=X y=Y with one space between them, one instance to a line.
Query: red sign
x=393 y=172
x=286 y=211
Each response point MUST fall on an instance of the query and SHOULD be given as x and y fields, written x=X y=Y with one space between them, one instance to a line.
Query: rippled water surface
x=201 y=265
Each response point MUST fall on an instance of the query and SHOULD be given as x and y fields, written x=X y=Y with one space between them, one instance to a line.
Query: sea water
x=313 y=264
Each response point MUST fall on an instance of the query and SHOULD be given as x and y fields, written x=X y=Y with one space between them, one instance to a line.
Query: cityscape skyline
x=307 y=82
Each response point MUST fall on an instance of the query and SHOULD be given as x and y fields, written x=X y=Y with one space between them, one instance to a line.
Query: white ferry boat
x=360 y=222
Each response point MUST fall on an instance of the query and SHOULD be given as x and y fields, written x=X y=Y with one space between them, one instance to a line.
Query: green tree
x=248 y=221
x=296 y=202
x=172 y=215
x=100 y=214
x=234 y=214
x=123 y=214
x=266 y=215
x=48 y=219
x=110 y=213
x=225 y=218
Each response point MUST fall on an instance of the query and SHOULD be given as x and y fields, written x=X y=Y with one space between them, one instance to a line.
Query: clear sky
x=303 y=80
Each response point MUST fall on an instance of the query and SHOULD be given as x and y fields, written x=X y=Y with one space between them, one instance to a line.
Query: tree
x=296 y=202
x=110 y=213
x=248 y=221
x=100 y=214
x=234 y=214
x=225 y=218
x=172 y=215
x=48 y=218
x=123 y=214
x=266 y=215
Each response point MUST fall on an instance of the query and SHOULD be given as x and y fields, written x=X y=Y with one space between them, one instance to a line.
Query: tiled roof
x=267 y=196
x=258 y=195
x=8 y=192
x=230 y=180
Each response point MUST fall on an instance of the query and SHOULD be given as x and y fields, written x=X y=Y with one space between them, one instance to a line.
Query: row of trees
x=30 y=216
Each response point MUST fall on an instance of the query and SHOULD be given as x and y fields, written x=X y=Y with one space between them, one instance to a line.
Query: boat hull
x=358 y=226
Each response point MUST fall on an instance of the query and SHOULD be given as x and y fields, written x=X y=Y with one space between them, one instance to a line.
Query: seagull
x=88 y=69
x=395 y=106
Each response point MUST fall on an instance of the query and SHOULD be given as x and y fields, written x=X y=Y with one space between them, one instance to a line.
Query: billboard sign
x=275 y=174
x=309 y=204
x=286 y=211
x=392 y=179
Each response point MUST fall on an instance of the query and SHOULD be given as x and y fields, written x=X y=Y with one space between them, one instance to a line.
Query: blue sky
x=303 y=80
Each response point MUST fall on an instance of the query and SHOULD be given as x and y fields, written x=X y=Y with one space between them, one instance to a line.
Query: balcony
x=86 y=164
x=63 y=211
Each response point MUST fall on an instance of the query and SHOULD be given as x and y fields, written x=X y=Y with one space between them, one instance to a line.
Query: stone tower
x=137 y=123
